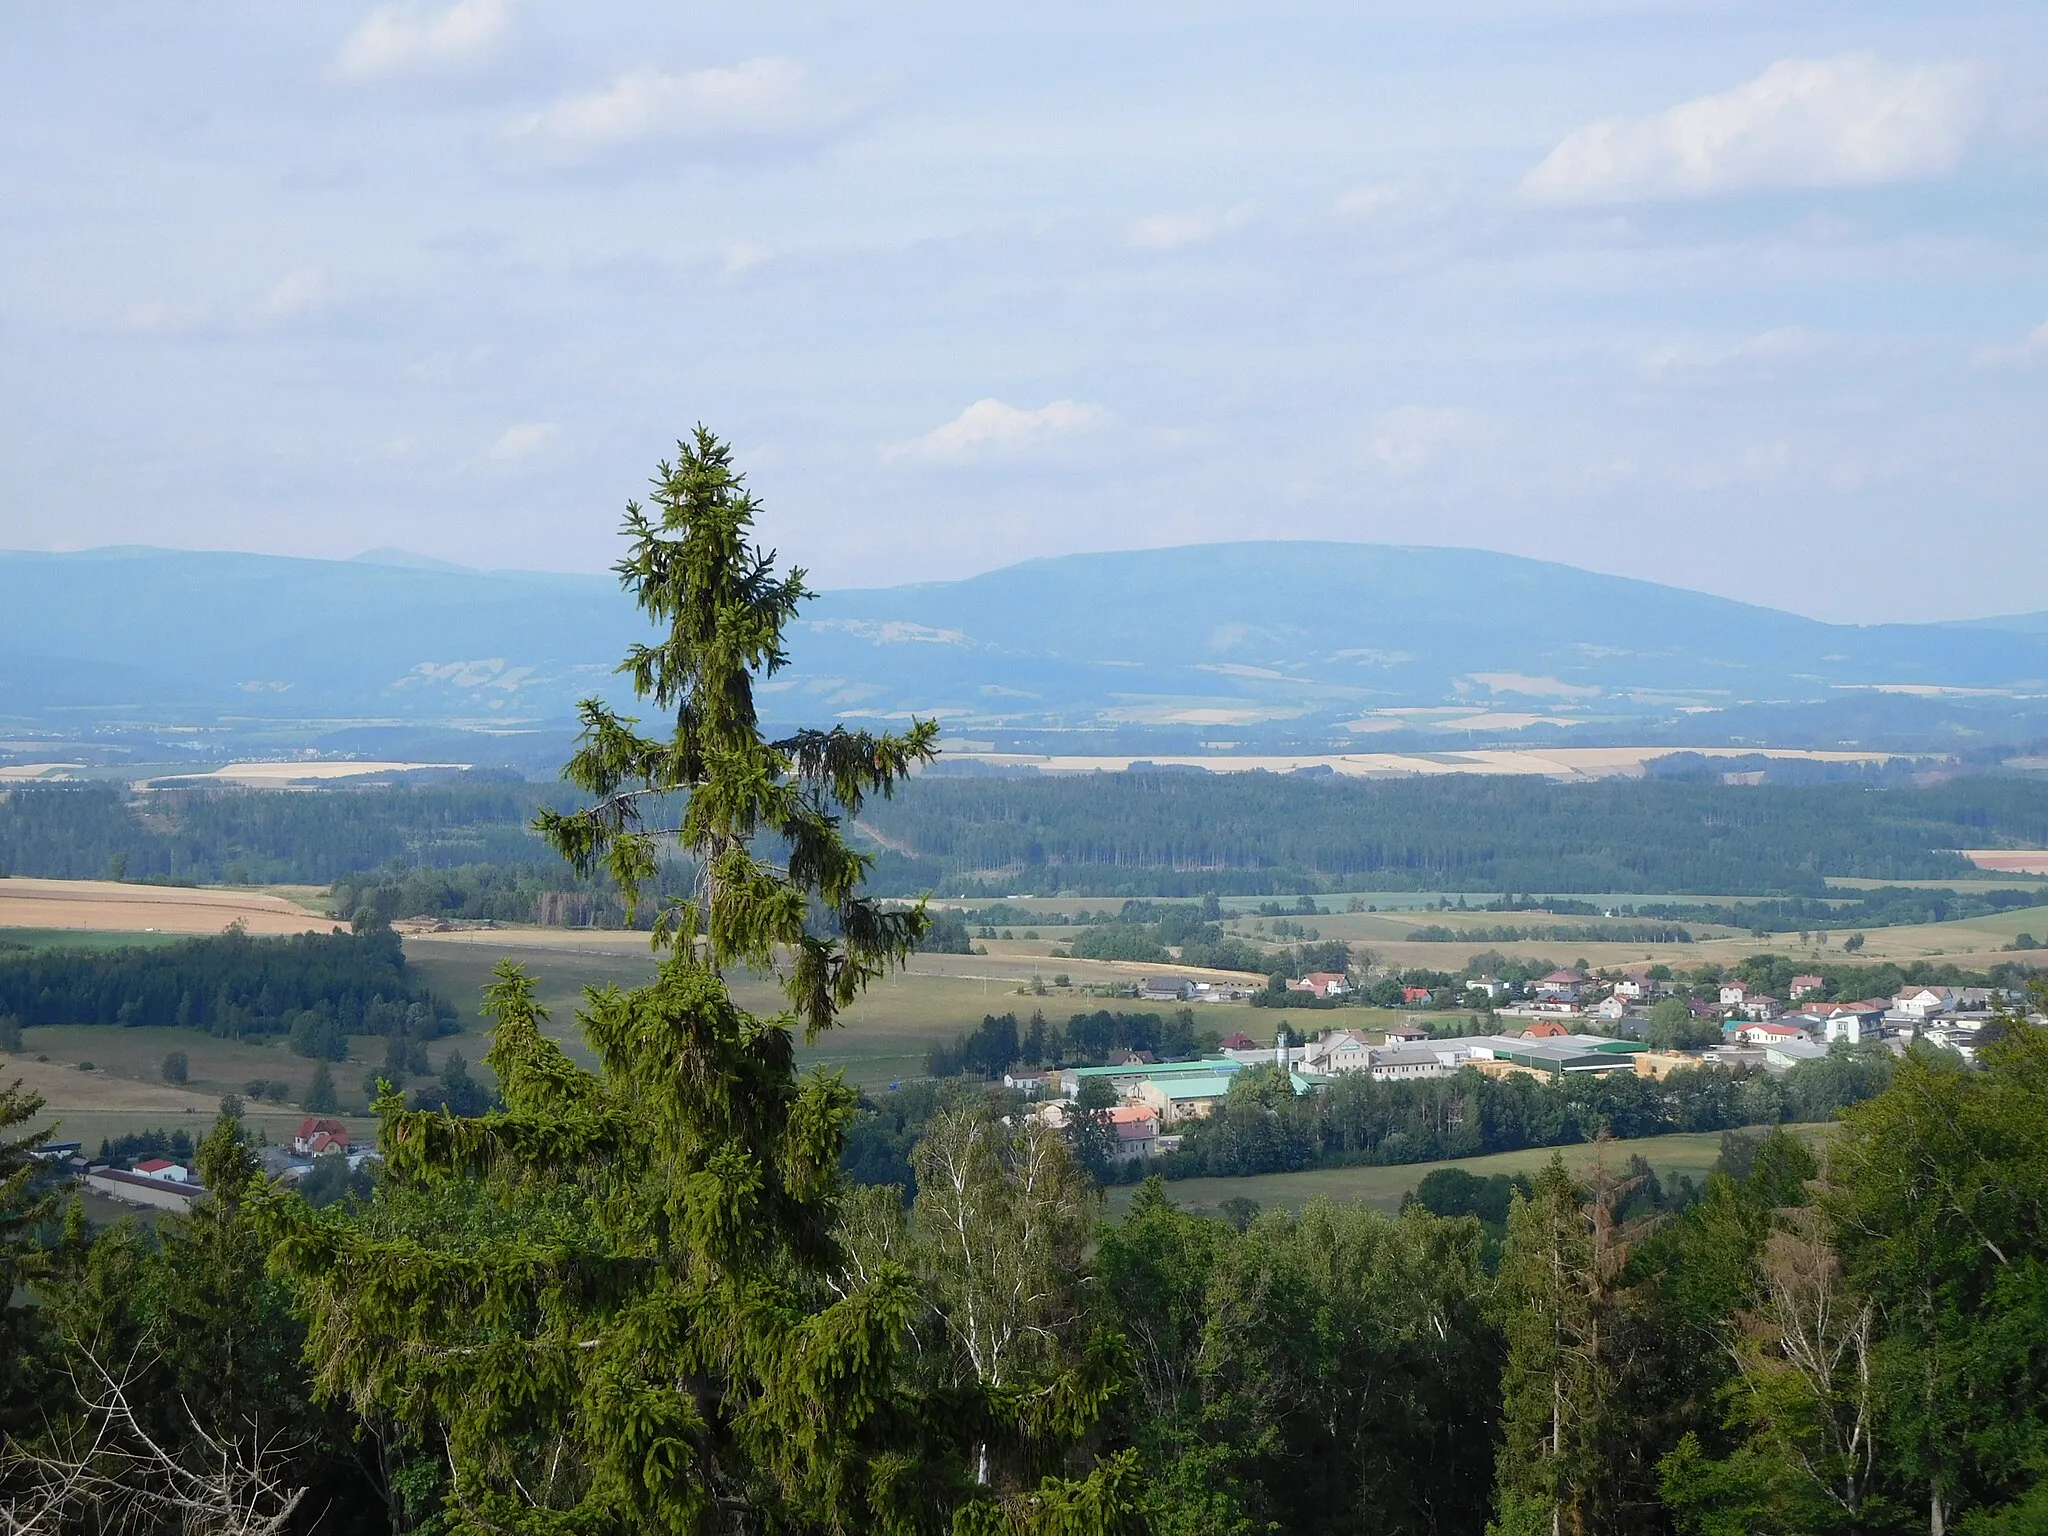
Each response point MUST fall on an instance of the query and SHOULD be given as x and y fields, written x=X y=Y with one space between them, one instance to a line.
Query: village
x=1563 y=1023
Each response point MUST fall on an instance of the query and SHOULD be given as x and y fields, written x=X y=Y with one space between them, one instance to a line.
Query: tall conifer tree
x=618 y=1304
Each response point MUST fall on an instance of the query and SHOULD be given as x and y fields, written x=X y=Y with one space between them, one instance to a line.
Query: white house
x=1806 y=986
x=1615 y=1007
x=1733 y=993
x=1767 y=1034
x=1337 y=1052
x=1323 y=983
x=1924 y=1002
x=1760 y=1007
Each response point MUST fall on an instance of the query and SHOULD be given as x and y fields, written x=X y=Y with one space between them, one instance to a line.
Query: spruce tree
x=618 y=1303
x=24 y=1204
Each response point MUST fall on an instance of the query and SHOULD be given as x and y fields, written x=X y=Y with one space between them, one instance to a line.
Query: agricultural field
x=885 y=1036
x=124 y=1093
x=1689 y=1154
x=108 y=906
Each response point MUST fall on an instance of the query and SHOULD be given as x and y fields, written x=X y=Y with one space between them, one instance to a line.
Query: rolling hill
x=1337 y=639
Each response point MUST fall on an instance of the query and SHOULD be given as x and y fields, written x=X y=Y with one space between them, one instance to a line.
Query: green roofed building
x=1125 y=1078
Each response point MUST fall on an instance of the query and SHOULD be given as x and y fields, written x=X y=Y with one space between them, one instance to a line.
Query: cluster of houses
x=1799 y=1027
x=1559 y=1037
x=158 y=1183
x=1157 y=1099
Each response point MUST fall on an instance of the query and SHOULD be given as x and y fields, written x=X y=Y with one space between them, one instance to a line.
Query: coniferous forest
x=643 y=1296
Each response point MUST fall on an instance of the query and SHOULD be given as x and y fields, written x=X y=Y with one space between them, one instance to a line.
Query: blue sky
x=1746 y=297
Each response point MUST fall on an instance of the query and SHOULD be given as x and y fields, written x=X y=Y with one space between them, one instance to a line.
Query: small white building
x=1336 y=1053
x=1924 y=1002
x=1400 y=1063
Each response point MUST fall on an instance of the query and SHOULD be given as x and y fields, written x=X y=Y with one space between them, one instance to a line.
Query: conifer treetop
x=695 y=571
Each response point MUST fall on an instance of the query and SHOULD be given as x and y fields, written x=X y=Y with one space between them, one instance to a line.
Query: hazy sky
x=1747 y=297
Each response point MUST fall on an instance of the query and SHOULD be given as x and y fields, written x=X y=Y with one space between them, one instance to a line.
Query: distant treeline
x=205 y=836
x=1087 y=1039
x=1888 y=906
x=1566 y=933
x=314 y=986
x=1263 y=1127
x=1118 y=835
x=501 y=893
x=1159 y=834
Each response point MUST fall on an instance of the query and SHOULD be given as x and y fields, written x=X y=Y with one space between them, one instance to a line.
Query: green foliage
x=24 y=1202
x=320 y=1097
x=193 y=836
x=139 y=1146
x=1148 y=834
x=1087 y=1039
x=1673 y=1028
x=620 y=1303
x=177 y=1067
x=1356 y=1120
x=945 y=934
x=230 y=985
x=1328 y=1372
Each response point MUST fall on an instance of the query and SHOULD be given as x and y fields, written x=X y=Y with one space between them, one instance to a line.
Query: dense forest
x=230 y=985
x=202 y=836
x=1180 y=834
x=466 y=849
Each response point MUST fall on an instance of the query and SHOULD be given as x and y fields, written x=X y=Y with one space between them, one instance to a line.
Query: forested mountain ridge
x=1247 y=634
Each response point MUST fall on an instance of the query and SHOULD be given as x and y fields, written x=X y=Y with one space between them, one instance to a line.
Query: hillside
x=1344 y=640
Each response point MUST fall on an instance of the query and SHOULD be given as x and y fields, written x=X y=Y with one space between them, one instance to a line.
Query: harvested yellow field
x=283 y=775
x=107 y=906
x=1554 y=762
x=2009 y=861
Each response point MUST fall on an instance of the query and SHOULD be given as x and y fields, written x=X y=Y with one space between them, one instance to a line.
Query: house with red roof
x=1136 y=1127
x=317 y=1134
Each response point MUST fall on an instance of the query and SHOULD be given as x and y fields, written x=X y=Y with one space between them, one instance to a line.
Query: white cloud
x=1786 y=344
x=1174 y=231
x=1412 y=438
x=515 y=445
x=1849 y=121
x=762 y=104
x=991 y=429
x=298 y=292
x=400 y=42
x=2030 y=351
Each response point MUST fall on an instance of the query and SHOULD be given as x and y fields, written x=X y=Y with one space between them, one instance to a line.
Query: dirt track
x=104 y=906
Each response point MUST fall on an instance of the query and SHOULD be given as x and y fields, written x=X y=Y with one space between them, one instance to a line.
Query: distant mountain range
x=1224 y=642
